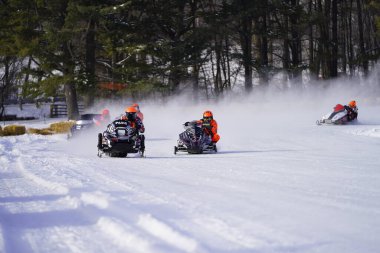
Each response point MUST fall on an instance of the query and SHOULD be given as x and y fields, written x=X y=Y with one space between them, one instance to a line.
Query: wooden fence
x=60 y=110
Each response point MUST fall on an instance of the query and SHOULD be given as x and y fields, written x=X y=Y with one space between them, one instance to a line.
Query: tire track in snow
x=27 y=197
x=7 y=153
x=132 y=228
x=30 y=207
x=140 y=238
x=128 y=216
x=123 y=235
x=101 y=200
x=53 y=186
x=160 y=231
x=167 y=234
x=95 y=199
x=14 y=161
x=4 y=161
x=127 y=226
x=141 y=227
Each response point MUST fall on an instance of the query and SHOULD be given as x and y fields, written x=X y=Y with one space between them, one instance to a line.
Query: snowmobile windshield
x=121 y=132
x=191 y=124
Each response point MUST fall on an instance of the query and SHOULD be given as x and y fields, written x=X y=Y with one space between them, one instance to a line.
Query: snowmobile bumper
x=115 y=147
x=331 y=122
x=119 y=146
x=123 y=147
x=195 y=150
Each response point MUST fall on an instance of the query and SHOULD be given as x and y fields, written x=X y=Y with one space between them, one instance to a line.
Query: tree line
x=146 y=48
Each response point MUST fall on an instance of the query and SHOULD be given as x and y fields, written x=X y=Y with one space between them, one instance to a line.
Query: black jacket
x=352 y=113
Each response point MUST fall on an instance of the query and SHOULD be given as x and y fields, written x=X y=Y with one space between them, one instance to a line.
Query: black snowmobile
x=85 y=122
x=121 y=142
x=193 y=140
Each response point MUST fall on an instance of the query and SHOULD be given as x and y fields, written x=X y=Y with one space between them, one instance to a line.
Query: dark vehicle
x=193 y=140
x=121 y=142
x=85 y=122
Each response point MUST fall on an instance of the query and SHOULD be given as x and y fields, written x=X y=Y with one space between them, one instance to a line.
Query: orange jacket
x=101 y=120
x=212 y=129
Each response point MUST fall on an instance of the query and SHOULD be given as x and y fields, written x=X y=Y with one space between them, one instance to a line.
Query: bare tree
x=10 y=68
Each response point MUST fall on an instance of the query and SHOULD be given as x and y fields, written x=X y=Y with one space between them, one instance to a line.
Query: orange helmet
x=130 y=113
x=352 y=104
x=105 y=112
x=208 y=116
x=130 y=109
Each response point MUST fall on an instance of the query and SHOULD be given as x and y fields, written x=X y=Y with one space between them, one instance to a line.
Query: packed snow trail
x=279 y=183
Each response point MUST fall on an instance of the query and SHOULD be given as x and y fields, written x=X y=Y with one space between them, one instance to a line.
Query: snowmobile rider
x=128 y=119
x=209 y=126
x=352 y=110
x=139 y=113
x=131 y=118
x=134 y=121
x=103 y=118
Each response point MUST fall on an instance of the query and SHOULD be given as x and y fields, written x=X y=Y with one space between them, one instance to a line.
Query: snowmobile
x=193 y=140
x=121 y=143
x=338 y=116
x=85 y=122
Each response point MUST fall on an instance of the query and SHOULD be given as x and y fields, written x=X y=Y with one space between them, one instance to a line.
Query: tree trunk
x=26 y=80
x=363 y=55
x=264 y=48
x=334 y=51
x=174 y=76
x=246 y=45
x=344 y=36
x=227 y=49
x=195 y=82
x=195 y=55
x=218 y=76
x=69 y=86
x=286 y=55
x=4 y=85
x=90 y=64
x=312 y=67
x=325 y=55
x=296 y=41
x=349 y=42
x=71 y=101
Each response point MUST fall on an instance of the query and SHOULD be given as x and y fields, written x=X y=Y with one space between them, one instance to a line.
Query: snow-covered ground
x=279 y=183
